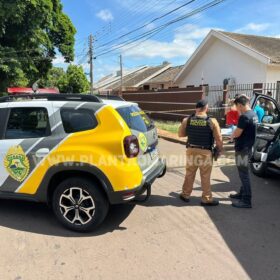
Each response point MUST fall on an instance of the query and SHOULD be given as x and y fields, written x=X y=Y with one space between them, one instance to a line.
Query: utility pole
x=121 y=73
x=90 y=53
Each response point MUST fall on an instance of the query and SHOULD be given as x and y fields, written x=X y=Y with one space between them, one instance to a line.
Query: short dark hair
x=201 y=104
x=242 y=99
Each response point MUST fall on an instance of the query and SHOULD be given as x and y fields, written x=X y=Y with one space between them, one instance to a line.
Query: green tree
x=56 y=78
x=73 y=80
x=31 y=32
x=77 y=80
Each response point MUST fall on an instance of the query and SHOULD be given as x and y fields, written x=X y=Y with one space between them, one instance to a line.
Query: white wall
x=273 y=74
x=222 y=61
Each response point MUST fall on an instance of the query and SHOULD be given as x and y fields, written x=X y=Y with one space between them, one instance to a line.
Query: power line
x=147 y=24
x=161 y=27
x=139 y=11
x=156 y=30
x=113 y=53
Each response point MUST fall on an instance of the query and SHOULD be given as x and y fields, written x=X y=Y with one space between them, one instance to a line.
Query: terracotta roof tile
x=268 y=46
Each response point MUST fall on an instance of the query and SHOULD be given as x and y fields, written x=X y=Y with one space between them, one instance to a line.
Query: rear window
x=135 y=118
x=78 y=120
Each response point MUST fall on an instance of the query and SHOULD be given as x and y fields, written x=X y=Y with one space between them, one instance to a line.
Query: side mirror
x=267 y=119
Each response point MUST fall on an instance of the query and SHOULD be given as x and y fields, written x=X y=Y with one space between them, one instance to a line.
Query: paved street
x=160 y=239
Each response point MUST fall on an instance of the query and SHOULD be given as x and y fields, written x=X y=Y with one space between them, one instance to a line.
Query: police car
x=78 y=153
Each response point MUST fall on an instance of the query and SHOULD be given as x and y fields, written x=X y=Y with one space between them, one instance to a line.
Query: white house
x=241 y=58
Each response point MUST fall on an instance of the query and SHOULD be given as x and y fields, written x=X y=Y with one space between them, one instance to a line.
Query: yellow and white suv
x=78 y=153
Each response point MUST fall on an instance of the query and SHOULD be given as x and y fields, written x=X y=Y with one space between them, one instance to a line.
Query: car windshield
x=135 y=118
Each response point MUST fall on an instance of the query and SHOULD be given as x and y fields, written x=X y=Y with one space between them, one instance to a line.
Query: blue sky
x=109 y=19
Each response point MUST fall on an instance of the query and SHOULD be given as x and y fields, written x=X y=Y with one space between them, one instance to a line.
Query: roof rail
x=110 y=97
x=52 y=97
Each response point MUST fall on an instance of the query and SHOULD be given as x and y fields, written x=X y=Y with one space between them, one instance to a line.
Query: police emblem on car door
x=17 y=163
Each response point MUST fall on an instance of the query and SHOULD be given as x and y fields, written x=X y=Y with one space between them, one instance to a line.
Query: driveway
x=160 y=239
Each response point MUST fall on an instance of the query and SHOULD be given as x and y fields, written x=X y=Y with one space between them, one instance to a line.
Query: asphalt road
x=160 y=239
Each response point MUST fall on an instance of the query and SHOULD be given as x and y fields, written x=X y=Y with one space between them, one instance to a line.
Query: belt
x=199 y=147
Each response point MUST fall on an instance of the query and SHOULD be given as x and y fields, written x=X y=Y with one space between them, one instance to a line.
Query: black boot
x=236 y=195
x=211 y=203
x=242 y=204
x=185 y=199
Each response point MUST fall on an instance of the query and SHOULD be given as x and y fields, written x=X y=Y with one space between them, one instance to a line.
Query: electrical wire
x=147 y=24
x=142 y=19
x=156 y=30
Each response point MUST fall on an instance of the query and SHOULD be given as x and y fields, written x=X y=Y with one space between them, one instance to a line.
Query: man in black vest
x=202 y=131
x=244 y=135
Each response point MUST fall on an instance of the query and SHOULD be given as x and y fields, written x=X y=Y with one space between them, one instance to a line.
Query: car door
x=25 y=127
x=268 y=126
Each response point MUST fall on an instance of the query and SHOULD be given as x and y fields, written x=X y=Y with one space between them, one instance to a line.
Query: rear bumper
x=148 y=178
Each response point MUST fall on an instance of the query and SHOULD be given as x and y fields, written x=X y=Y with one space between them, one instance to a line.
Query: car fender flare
x=42 y=191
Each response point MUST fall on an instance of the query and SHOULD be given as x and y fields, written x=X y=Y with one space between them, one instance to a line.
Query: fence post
x=225 y=94
x=225 y=99
x=204 y=92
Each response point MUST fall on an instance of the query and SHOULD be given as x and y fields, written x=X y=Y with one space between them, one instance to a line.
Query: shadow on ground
x=253 y=235
x=38 y=218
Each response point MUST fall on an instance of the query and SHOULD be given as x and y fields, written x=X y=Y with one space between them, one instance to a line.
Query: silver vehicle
x=266 y=149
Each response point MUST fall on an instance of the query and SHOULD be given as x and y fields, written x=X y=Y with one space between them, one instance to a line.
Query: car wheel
x=162 y=173
x=259 y=168
x=79 y=205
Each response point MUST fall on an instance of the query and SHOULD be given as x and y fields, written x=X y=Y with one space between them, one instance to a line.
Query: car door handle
x=42 y=152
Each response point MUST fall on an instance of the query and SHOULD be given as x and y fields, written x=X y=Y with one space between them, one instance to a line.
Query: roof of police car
x=26 y=101
x=117 y=103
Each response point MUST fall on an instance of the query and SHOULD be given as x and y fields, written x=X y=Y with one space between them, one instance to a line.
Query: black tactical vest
x=199 y=131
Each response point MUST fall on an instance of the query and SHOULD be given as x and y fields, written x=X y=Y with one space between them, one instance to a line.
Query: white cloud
x=105 y=15
x=253 y=27
x=184 y=43
x=58 y=60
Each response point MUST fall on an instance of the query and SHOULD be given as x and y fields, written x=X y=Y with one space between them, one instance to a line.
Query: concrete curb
x=171 y=137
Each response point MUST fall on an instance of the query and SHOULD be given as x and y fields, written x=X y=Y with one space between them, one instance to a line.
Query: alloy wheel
x=77 y=206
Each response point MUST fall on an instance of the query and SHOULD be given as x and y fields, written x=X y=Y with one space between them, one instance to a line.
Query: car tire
x=162 y=173
x=79 y=205
x=259 y=168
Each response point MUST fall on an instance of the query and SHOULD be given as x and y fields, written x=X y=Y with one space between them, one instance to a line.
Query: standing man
x=244 y=136
x=201 y=131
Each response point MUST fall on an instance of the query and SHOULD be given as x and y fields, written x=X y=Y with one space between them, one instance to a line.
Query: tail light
x=131 y=146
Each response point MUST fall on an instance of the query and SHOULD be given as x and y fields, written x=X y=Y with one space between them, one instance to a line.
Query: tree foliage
x=77 y=80
x=31 y=32
x=72 y=81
